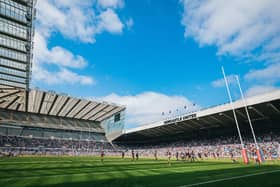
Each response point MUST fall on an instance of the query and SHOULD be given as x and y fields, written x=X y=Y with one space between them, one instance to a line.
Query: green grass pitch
x=115 y=172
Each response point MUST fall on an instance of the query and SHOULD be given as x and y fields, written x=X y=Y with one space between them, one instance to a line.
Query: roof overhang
x=59 y=105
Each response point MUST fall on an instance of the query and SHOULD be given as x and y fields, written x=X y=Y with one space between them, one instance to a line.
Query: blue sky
x=154 y=56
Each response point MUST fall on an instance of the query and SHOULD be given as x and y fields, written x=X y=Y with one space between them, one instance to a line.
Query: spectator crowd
x=223 y=147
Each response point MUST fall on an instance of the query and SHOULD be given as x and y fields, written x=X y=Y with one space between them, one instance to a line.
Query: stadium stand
x=215 y=148
x=54 y=123
x=17 y=145
x=208 y=133
x=211 y=122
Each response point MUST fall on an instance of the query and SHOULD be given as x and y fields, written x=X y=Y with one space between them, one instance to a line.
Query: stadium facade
x=16 y=44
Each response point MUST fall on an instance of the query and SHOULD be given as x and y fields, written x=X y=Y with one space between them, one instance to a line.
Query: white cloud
x=270 y=74
x=241 y=28
x=76 y=20
x=64 y=57
x=60 y=77
x=129 y=23
x=259 y=89
x=60 y=57
x=247 y=30
x=148 y=106
x=221 y=82
x=110 y=3
x=56 y=55
x=109 y=21
x=73 y=19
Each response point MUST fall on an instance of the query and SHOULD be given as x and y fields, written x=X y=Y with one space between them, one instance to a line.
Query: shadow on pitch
x=180 y=178
x=93 y=167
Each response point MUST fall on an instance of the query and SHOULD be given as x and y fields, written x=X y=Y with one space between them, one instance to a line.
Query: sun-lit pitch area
x=89 y=171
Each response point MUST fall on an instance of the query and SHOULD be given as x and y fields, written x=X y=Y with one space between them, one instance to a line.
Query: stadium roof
x=265 y=107
x=50 y=103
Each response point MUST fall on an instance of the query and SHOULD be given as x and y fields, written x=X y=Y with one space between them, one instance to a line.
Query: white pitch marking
x=230 y=178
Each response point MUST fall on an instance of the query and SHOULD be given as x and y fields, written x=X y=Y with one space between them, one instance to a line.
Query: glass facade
x=13 y=43
x=14 y=72
x=13 y=10
x=12 y=78
x=12 y=28
x=12 y=64
x=16 y=35
x=11 y=54
x=14 y=84
x=114 y=125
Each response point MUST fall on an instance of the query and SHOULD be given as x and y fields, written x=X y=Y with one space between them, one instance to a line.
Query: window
x=12 y=78
x=117 y=117
x=9 y=63
x=12 y=84
x=12 y=28
x=12 y=72
x=12 y=43
x=14 y=10
x=13 y=54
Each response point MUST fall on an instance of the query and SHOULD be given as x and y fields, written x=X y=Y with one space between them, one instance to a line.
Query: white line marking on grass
x=230 y=178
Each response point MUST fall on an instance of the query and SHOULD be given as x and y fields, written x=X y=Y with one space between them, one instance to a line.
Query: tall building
x=16 y=44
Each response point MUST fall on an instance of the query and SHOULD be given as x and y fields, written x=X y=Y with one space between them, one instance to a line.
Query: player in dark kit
x=192 y=156
x=102 y=154
x=257 y=160
x=169 y=157
x=188 y=155
x=232 y=157
x=155 y=155
x=133 y=155
x=122 y=154
x=137 y=155
x=199 y=155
